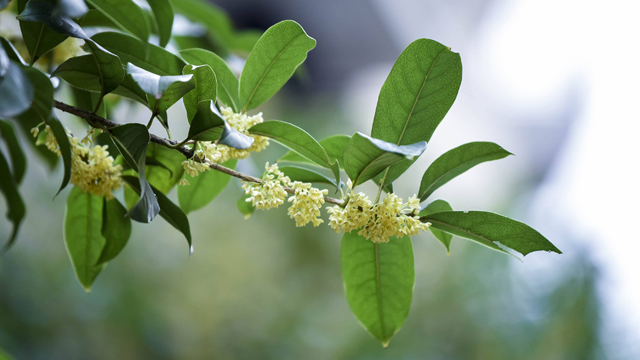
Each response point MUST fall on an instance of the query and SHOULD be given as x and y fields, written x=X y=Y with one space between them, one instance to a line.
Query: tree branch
x=93 y=119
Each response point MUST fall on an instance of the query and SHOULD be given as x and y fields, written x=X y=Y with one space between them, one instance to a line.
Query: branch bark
x=93 y=119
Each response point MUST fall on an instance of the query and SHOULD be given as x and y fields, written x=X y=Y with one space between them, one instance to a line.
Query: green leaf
x=203 y=188
x=18 y=158
x=334 y=145
x=296 y=173
x=434 y=207
x=165 y=176
x=116 y=229
x=38 y=38
x=126 y=14
x=15 y=204
x=378 y=280
x=110 y=69
x=71 y=8
x=245 y=207
x=149 y=57
x=82 y=235
x=274 y=58
x=11 y=51
x=215 y=19
x=4 y=63
x=207 y=124
x=235 y=139
x=169 y=211
x=205 y=88
x=132 y=140
x=366 y=157
x=455 y=162
x=16 y=92
x=227 y=80
x=422 y=86
x=65 y=148
x=492 y=230
x=4 y=4
x=43 y=11
x=163 y=16
x=165 y=90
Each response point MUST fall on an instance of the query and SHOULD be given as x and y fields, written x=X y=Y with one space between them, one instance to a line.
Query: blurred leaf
x=4 y=63
x=296 y=173
x=334 y=145
x=116 y=229
x=245 y=207
x=203 y=188
x=207 y=124
x=227 y=80
x=422 y=86
x=165 y=176
x=149 y=57
x=165 y=90
x=379 y=281
x=132 y=140
x=366 y=157
x=43 y=11
x=455 y=162
x=15 y=204
x=16 y=92
x=126 y=14
x=245 y=40
x=169 y=211
x=205 y=88
x=274 y=58
x=84 y=241
x=18 y=158
x=38 y=38
x=434 y=207
x=11 y=51
x=4 y=4
x=215 y=19
x=235 y=139
x=163 y=16
x=492 y=230
x=71 y=8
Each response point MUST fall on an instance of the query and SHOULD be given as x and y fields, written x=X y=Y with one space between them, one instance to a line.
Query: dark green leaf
x=378 y=280
x=163 y=16
x=227 y=80
x=165 y=176
x=126 y=14
x=116 y=229
x=111 y=71
x=165 y=90
x=366 y=157
x=434 y=207
x=82 y=236
x=15 y=205
x=43 y=11
x=492 y=230
x=296 y=173
x=11 y=51
x=18 y=159
x=334 y=145
x=4 y=63
x=4 y=4
x=132 y=140
x=65 y=148
x=455 y=162
x=169 y=211
x=16 y=92
x=207 y=124
x=274 y=58
x=149 y=57
x=245 y=207
x=38 y=38
x=71 y=8
x=206 y=88
x=203 y=188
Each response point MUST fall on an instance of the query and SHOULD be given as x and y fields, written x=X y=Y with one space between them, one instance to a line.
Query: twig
x=172 y=144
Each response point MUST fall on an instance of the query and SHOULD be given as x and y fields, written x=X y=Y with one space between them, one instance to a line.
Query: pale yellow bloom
x=183 y=182
x=193 y=167
x=35 y=131
x=355 y=214
x=306 y=204
x=93 y=171
x=242 y=123
x=270 y=193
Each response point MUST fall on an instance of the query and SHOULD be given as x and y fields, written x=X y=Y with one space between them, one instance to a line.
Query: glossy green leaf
x=38 y=38
x=116 y=229
x=455 y=162
x=163 y=16
x=43 y=11
x=227 y=80
x=169 y=211
x=149 y=57
x=111 y=72
x=16 y=92
x=18 y=158
x=82 y=235
x=274 y=58
x=71 y=8
x=379 y=281
x=11 y=51
x=165 y=90
x=203 y=188
x=206 y=88
x=245 y=207
x=126 y=14
x=334 y=145
x=434 y=207
x=296 y=173
x=132 y=140
x=366 y=157
x=492 y=230
x=207 y=124
x=164 y=167
x=15 y=205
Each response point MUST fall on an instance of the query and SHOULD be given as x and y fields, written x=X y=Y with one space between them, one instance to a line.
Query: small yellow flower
x=35 y=131
x=306 y=204
x=270 y=193
x=242 y=123
x=193 y=167
x=355 y=214
x=183 y=182
x=93 y=171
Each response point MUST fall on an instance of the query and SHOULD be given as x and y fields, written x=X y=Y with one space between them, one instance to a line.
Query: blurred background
x=554 y=82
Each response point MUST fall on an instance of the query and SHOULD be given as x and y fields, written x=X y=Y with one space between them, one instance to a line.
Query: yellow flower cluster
x=380 y=221
x=306 y=204
x=270 y=193
x=219 y=153
x=92 y=169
